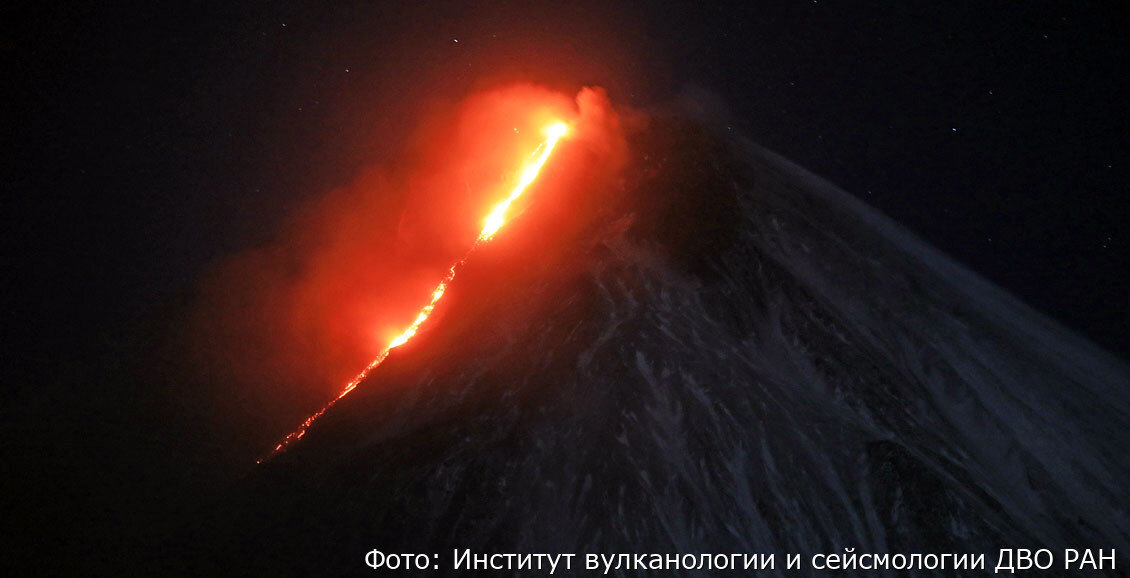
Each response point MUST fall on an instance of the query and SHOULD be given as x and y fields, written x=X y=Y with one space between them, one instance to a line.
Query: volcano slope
x=719 y=352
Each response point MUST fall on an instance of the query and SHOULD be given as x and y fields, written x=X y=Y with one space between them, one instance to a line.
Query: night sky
x=146 y=142
x=148 y=146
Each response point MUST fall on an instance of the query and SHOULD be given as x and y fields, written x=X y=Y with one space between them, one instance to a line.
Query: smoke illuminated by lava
x=493 y=222
x=334 y=277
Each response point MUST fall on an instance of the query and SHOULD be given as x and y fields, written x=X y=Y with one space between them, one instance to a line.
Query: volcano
x=715 y=352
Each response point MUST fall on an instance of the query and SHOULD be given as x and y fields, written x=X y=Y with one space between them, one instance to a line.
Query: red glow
x=494 y=221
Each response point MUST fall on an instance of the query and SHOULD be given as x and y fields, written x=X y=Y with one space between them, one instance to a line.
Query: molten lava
x=493 y=222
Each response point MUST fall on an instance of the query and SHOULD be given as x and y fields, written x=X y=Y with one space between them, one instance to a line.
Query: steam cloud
x=276 y=330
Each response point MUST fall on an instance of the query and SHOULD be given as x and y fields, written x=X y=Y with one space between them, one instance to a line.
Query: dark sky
x=144 y=142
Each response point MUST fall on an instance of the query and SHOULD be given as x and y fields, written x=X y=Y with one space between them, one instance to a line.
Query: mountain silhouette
x=715 y=352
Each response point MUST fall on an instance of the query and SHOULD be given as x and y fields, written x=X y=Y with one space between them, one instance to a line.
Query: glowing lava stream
x=491 y=225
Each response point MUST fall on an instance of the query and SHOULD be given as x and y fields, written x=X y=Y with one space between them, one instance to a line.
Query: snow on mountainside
x=730 y=355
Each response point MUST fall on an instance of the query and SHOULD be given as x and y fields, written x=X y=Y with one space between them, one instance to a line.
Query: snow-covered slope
x=731 y=355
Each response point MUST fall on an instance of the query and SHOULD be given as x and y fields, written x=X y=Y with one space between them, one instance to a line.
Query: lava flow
x=493 y=222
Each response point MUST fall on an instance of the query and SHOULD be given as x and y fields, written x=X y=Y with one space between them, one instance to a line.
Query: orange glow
x=497 y=217
x=493 y=222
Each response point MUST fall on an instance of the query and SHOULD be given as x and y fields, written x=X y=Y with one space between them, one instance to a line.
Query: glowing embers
x=494 y=221
x=497 y=217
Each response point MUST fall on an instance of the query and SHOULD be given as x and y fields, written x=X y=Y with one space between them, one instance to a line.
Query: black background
x=146 y=142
